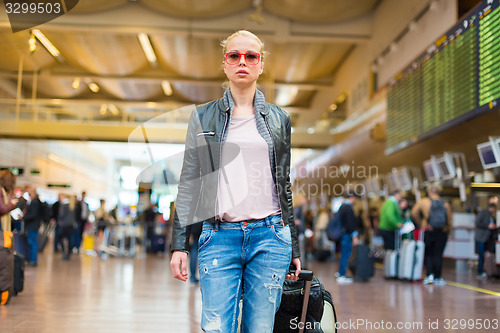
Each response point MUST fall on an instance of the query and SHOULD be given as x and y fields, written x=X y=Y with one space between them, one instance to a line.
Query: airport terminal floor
x=121 y=295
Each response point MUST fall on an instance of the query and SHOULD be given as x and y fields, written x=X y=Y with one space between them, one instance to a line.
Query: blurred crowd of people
x=429 y=219
x=65 y=221
x=375 y=223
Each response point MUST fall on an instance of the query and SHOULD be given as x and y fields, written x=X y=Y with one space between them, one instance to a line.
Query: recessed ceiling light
x=167 y=88
x=32 y=43
x=94 y=87
x=76 y=83
x=114 y=110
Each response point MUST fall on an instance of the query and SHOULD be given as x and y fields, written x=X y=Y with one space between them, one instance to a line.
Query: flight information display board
x=455 y=79
x=489 y=55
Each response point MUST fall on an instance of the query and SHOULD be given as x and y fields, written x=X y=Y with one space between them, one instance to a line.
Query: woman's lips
x=242 y=72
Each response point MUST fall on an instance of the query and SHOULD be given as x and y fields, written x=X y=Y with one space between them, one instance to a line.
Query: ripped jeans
x=243 y=259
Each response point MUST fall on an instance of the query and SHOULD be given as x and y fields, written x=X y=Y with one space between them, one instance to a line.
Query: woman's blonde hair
x=248 y=34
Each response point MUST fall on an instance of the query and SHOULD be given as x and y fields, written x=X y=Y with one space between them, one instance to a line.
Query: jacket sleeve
x=291 y=219
x=188 y=190
x=5 y=208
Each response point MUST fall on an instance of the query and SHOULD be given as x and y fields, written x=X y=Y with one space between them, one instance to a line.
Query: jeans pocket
x=205 y=238
x=282 y=233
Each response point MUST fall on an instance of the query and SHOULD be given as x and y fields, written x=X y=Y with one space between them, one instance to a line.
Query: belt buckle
x=244 y=224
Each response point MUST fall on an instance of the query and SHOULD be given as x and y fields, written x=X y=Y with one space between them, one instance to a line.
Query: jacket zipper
x=220 y=159
x=205 y=133
x=274 y=171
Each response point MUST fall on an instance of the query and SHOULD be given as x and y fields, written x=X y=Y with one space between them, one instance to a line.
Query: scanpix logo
x=26 y=14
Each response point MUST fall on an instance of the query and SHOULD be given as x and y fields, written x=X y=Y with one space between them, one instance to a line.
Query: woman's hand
x=178 y=264
x=298 y=268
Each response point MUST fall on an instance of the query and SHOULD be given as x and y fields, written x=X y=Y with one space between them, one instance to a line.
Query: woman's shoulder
x=212 y=105
x=278 y=110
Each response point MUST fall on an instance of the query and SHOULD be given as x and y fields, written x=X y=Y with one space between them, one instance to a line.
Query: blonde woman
x=248 y=238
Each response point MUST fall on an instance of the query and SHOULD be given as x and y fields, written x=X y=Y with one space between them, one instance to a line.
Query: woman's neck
x=243 y=97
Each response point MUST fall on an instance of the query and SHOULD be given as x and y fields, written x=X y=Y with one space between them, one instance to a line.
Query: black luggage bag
x=362 y=264
x=302 y=305
x=43 y=237
x=19 y=264
x=6 y=267
x=21 y=244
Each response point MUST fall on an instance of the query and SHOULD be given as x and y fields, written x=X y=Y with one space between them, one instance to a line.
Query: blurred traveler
x=390 y=219
x=433 y=215
x=349 y=236
x=67 y=221
x=82 y=216
x=32 y=219
x=360 y=223
x=493 y=199
x=149 y=217
x=54 y=215
x=102 y=219
x=485 y=224
x=7 y=184
x=374 y=218
x=404 y=206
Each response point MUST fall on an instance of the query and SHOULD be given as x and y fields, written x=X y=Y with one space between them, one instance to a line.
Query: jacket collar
x=259 y=102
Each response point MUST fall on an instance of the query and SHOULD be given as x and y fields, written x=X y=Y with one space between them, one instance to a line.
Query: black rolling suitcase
x=43 y=237
x=304 y=304
x=6 y=267
x=362 y=265
x=19 y=264
x=21 y=244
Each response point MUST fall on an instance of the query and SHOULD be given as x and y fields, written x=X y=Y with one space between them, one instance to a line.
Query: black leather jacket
x=207 y=129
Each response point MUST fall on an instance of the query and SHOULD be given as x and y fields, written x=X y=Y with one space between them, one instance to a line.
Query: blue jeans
x=481 y=248
x=238 y=259
x=76 y=240
x=33 y=243
x=345 y=253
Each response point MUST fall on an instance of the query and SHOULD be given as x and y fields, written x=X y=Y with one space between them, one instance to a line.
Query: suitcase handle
x=307 y=276
x=304 y=274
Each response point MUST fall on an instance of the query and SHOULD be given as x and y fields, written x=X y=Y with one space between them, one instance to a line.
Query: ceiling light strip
x=148 y=49
x=48 y=44
x=167 y=88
